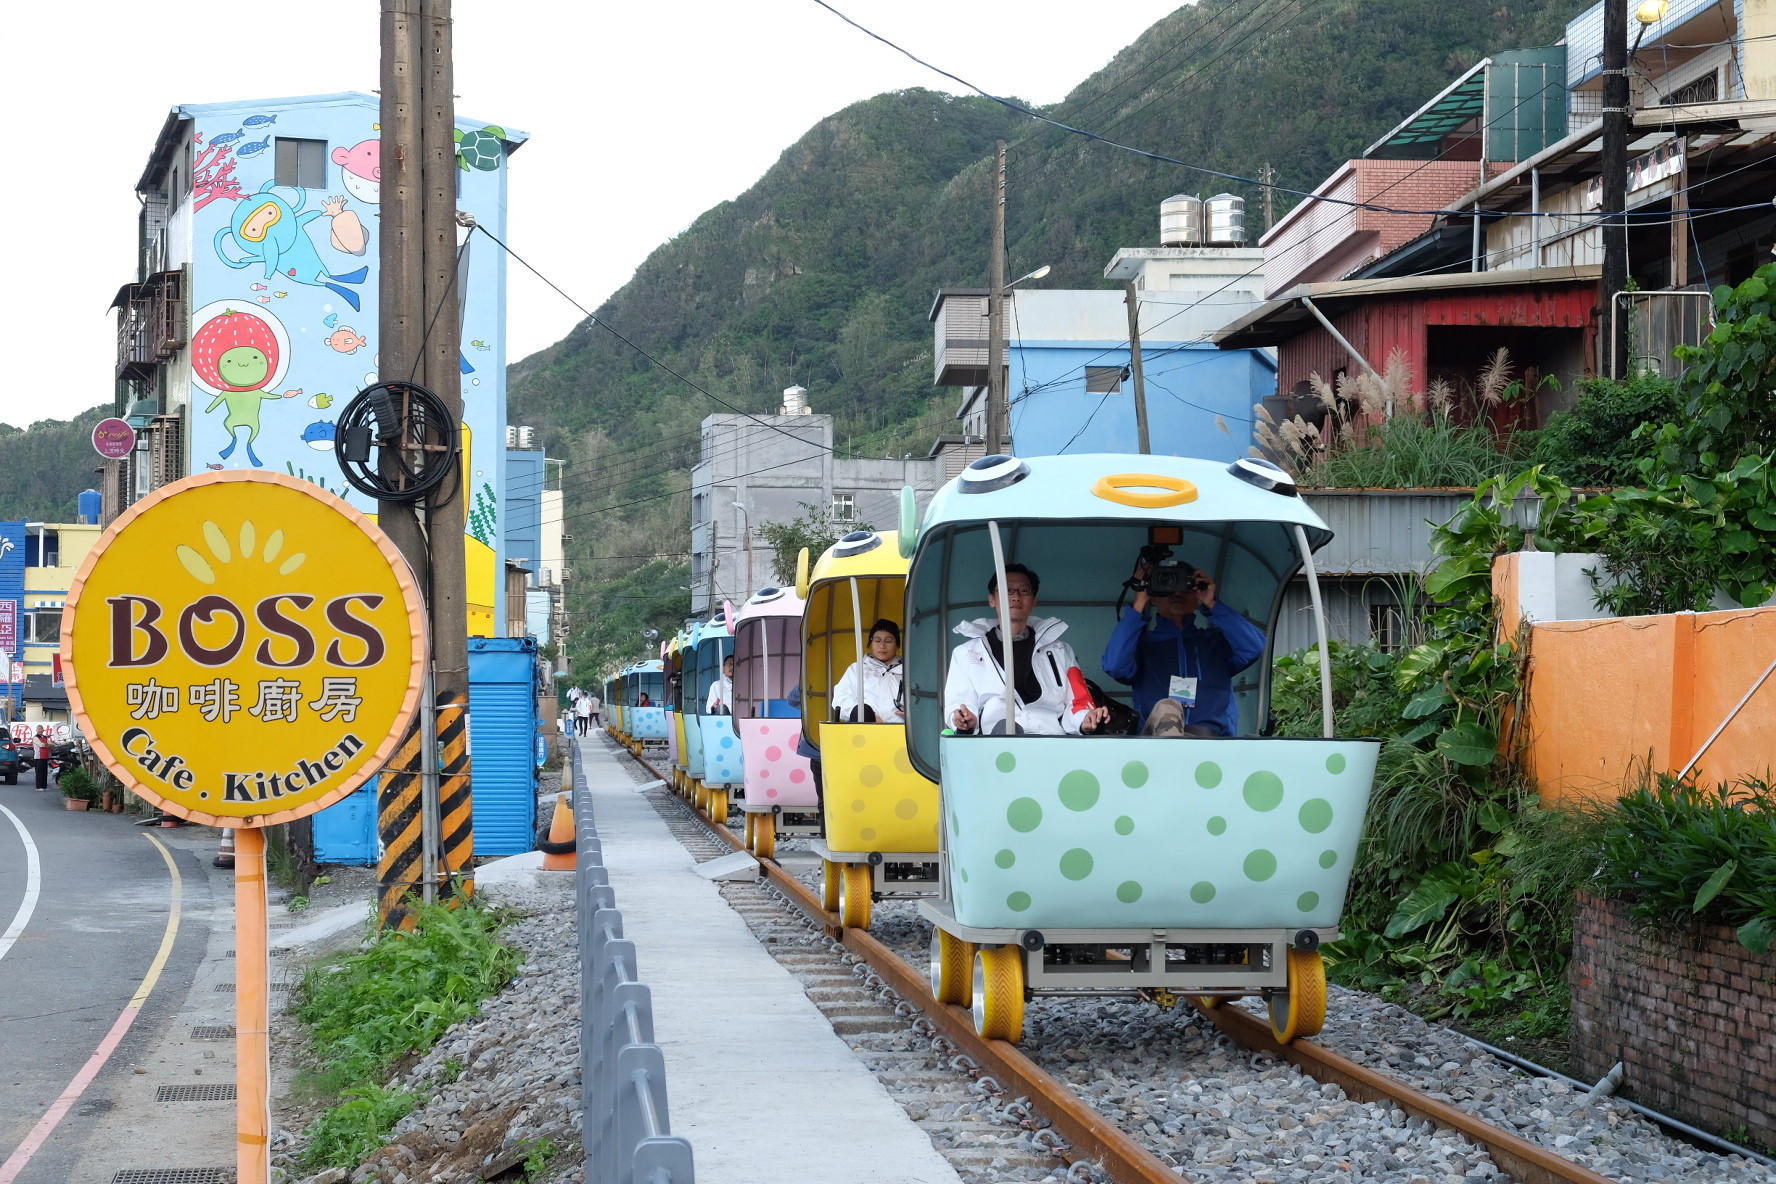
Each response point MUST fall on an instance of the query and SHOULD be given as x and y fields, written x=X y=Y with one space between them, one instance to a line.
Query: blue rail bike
x=1115 y=863
x=716 y=767
x=645 y=712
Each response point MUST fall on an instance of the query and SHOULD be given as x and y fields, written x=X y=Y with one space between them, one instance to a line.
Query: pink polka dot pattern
x=775 y=774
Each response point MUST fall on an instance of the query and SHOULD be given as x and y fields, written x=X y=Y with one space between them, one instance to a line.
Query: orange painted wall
x=1606 y=696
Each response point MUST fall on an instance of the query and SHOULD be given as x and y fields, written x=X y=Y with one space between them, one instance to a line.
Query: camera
x=1169 y=576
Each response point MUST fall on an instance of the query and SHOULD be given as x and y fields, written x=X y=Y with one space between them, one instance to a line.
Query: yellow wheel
x=952 y=968
x=747 y=828
x=999 y=993
x=718 y=806
x=1206 y=1002
x=1300 y=1010
x=856 y=884
x=764 y=836
x=830 y=876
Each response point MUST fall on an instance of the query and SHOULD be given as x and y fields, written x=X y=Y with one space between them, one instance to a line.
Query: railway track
x=1090 y=1136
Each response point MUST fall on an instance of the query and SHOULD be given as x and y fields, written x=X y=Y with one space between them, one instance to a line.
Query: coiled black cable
x=397 y=442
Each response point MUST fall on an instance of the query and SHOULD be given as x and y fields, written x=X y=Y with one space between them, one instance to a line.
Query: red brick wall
x=1695 y=1023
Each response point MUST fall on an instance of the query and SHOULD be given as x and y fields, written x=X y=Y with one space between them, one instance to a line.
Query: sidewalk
x=756 y=1078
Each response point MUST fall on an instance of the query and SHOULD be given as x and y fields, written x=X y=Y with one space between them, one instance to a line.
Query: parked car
x=11 y=761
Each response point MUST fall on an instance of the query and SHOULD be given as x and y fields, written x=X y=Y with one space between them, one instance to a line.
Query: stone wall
x=1692 y=1020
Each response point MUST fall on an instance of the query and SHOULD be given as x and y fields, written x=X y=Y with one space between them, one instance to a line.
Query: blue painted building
x=1068 y=358
x=253 y=317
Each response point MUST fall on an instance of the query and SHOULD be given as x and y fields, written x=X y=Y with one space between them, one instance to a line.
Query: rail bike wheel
x=999 y=993
x=747 y=829
x=855 y=887
x=1300 y=1010
x=831 y=874
x=718 y=806
x=764 y=836
x=952 y=968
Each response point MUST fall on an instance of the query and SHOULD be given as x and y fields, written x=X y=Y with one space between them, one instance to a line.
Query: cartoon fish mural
x=330 y=320
x=257 y=121
x=254 y=147
x=280 y=295
x=321 y=401
x=361 y=170
x=319 y=435
x=347 y=340
x=227 y=138
x=260 y=287
x=264 y=300
x=480 y=345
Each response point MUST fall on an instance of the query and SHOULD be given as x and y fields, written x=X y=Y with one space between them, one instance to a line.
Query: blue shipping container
x=502 y=731
x=345 y=832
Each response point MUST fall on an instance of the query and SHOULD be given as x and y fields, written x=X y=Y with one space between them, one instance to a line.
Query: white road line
x=33 y=885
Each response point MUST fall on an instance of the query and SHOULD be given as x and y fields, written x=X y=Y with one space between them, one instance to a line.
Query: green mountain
x=822 y=273
x=44 y=467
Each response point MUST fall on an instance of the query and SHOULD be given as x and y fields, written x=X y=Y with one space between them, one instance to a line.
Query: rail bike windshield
x=650 y=680
x=714 y=644
x=1081 y=523
x=768 y=655
x=855 y=584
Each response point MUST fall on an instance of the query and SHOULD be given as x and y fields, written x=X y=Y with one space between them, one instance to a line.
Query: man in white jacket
x=871 y=691
x=721 y=692
x=1050 y=700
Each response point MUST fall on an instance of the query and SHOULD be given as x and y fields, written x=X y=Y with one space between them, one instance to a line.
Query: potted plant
x=78 y=789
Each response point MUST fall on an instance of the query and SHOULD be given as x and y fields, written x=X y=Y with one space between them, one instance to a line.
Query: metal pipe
x=1313 y=592
x=1647 y=1112
x=1337 y=336
x=252 y=1048
x=429 y=816
x=857 y=629
x=1010 y=671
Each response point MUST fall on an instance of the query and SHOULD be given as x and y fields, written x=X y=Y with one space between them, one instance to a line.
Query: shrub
x=1595 y=444
x=1679 y=854
x=75 y=783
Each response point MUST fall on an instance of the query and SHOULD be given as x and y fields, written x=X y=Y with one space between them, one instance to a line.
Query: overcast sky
x=641 y=117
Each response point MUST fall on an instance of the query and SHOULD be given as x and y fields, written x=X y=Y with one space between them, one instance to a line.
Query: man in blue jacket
x=1182 y=672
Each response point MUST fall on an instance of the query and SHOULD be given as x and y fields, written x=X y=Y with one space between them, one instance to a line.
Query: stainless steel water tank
x=1227 y=219
x=1181 y=221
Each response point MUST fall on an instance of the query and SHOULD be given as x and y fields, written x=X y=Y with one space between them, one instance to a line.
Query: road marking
x=33 y=885
x=15 y=1163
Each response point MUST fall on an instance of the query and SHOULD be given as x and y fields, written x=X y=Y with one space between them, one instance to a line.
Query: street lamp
x=1034 y=275
x=746 y=527
x=998 y=418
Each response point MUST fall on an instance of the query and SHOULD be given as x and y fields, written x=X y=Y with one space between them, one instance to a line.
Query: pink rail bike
x=780 y=797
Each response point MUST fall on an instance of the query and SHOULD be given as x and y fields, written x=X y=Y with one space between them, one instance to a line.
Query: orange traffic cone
x=558 y=848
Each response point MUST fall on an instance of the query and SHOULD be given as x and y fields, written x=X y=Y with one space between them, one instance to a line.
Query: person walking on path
x=597 y=711
x=583 y=713
x=42 y=747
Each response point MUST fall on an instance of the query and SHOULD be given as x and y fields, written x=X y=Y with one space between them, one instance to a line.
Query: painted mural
x=284 y=293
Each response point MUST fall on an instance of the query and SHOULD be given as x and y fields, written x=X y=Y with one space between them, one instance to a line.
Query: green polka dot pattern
x=1132 y=832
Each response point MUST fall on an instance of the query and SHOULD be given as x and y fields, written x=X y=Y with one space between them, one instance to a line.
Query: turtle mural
x=480 y=150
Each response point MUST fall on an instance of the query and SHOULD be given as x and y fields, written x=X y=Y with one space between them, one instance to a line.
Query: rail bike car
x=613 y=706
x=717 y=766
x=692 y=722
x=678 y=676
x=779 y=797
x=1162 y=866
x=646 y=714
x=879 y=813
x=674 y=729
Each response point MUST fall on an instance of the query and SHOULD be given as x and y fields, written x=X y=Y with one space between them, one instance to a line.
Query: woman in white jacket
x=871 y=691
x=1051 y=699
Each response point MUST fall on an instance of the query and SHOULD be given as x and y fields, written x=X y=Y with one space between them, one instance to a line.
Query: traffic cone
x=558 y=848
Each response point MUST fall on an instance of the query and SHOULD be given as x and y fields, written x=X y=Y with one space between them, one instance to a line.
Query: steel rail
x=1092 y=1135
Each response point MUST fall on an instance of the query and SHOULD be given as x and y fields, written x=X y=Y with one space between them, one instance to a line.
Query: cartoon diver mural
x=269 y=230
x=238 y=355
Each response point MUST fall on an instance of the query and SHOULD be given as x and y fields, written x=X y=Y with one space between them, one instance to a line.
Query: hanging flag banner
x=243 y=648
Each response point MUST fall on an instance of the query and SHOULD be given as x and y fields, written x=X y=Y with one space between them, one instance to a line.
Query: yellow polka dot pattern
x=875 y=800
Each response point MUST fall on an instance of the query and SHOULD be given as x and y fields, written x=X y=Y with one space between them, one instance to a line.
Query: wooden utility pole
x=418 y=321
x=1134 y=310
x=1269 y=175
x=998 y=416
x=1614 y=164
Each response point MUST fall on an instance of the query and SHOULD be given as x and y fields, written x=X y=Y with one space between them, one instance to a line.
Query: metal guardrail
x=624 y=1126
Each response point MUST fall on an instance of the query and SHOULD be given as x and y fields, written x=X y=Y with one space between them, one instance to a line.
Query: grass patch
x=366 y=1011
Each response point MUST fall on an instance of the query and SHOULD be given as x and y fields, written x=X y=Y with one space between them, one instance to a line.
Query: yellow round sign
x=243 y=648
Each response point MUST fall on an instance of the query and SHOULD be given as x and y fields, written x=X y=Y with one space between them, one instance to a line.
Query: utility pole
x=998 y=418
x=1615 y=173
x=423 y=803
x=1134 y=310
x=1269 y=176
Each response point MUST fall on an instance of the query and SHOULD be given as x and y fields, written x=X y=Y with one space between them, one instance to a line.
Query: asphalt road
x=92 y=936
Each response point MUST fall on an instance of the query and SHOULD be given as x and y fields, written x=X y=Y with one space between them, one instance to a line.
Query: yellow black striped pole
x=400 y=869
x=457 y=823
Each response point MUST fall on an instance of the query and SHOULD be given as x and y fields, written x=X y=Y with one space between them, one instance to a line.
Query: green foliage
x=1726 y=387
x=609 y=617
x=44 y=468
x=1430 y=451
x=537 y=1154
x=75 y=783
x=1595 y=444
x=364 y=1011
x=1679 y=854
x=814 y=530
x=346 y=1134
x=1364 y=699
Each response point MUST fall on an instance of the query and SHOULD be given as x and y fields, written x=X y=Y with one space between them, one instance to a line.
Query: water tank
x=795 y=401
x=91 y=505
x=1181 y=221
x=1227 y=220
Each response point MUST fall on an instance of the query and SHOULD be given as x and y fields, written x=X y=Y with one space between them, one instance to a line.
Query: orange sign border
x=417 y=632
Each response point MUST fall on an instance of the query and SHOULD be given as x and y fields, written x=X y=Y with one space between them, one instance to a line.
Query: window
x=301 y=164
x=844 y=507
x=1387 y=627
x=52 y=549
x=44 y=627
x=1103 y=380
